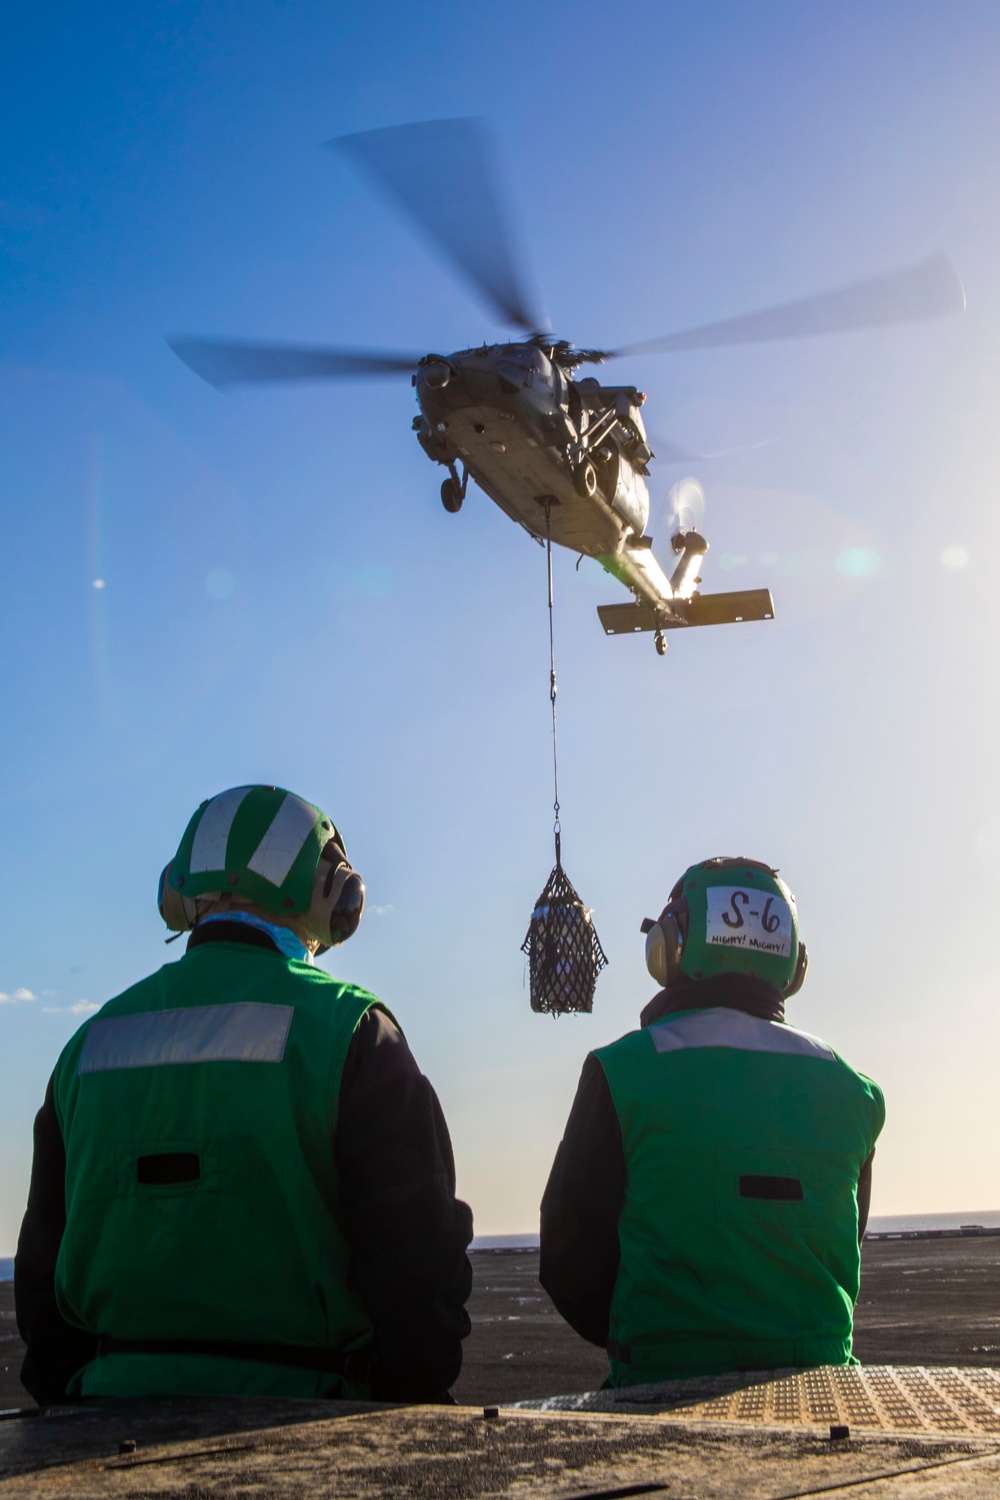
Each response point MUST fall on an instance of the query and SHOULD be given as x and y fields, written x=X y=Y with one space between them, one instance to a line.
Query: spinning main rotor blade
x=669 y=453
x=442 y=173
x=223 y=363
x=931 y=289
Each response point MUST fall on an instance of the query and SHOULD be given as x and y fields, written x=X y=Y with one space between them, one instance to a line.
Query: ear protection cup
x=663 y=948
x=798 y=978
x=346 y=915
x=338 y=899
x=177 y=911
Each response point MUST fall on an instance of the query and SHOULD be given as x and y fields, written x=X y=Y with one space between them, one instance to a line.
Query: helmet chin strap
x=283 y=938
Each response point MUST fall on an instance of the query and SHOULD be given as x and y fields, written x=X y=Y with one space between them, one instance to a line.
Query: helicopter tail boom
x=679 y=614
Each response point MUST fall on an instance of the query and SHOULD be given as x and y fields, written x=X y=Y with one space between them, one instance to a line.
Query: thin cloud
x=17 y=998
x=382 y=911
x=81 y=1008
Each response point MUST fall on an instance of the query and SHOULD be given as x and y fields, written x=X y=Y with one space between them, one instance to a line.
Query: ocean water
x=505 y=1242
x=986 y=1218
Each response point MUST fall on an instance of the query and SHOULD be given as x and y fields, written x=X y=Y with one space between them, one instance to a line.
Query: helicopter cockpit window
x=579 y=415
x=539 y=363
x=513 y=372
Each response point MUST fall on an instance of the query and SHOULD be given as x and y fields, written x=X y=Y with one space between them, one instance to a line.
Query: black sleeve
x=580 y=1209
x=407 y=1231
x=55 y=1349
x=864 y=1195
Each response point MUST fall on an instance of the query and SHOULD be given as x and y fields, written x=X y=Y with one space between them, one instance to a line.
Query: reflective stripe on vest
x=734 y=1028
x=245 y=1032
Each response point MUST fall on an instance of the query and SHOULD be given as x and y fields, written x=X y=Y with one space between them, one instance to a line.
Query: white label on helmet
x=741 y=917
x=282 y=843
x=208 y=851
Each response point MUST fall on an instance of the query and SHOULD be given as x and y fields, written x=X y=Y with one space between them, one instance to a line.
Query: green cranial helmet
x=735 y=916
x=262 y=846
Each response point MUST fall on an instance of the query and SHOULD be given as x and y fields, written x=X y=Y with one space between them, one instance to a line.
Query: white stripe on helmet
x=283 y=842
x=208 y=851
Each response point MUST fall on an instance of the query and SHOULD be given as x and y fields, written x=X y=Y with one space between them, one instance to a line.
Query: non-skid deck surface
x=915 y=1434
x=458 y=1454
x=875 y=1397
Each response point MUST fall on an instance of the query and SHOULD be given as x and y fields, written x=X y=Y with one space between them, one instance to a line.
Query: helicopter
x=561 y=454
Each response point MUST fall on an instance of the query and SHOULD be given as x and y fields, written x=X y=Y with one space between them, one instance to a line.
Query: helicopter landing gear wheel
x=451 y=496
x=660 y=643
x=585 y=480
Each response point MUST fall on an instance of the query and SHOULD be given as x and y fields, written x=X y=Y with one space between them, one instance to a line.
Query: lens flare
x=95 y=503
x=858 y=562
x=220 y=584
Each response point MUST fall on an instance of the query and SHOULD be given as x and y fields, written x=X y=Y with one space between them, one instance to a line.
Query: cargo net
x=563 y=950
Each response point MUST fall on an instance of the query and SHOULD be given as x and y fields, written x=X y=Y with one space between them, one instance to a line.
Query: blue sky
x=286 y=600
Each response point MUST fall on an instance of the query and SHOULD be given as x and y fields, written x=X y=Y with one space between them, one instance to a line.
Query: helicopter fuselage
x=565 y=458
x=551 y=451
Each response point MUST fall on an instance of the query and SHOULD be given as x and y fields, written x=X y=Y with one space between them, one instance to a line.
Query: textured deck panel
x=915 y=1434
x=195 y=1450
x=875 y=1397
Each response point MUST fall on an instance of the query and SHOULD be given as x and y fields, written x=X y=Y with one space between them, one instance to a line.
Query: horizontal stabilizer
x=704 y=609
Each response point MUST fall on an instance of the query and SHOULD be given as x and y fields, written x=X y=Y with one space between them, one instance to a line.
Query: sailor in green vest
x=242 y=1184
x=705 y=1209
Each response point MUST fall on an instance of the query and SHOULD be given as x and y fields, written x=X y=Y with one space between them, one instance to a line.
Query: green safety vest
x=743 y=1143
x=198 y=1110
